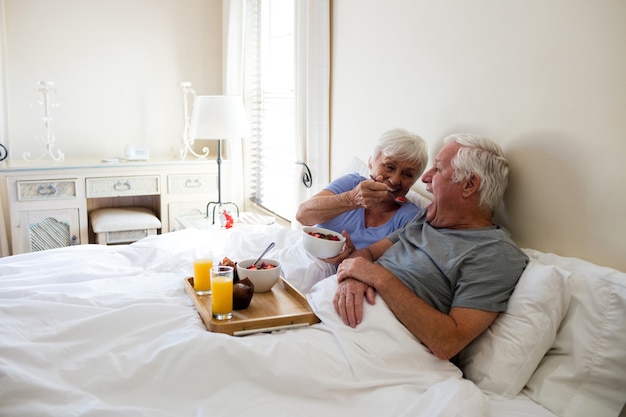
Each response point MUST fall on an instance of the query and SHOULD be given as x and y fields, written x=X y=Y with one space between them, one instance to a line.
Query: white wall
x=544 y=79
x=116 y=65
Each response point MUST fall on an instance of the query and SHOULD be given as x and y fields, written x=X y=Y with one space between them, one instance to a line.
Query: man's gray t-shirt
x=472 y=268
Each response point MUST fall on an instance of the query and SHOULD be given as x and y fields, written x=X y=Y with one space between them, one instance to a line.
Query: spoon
x=398 y=200
x=271 y=245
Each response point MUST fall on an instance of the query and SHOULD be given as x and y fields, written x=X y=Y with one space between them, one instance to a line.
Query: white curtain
x=4 y=96
x=312 y=40
x=313 y=92
x=4 y=122
x=232 y=69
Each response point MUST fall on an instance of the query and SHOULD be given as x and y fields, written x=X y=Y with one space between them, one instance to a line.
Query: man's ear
x=471 y=185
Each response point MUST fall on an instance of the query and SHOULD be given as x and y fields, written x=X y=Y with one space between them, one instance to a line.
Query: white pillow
x=502 y=359
x=356 y=165
x=123 y=218
x=584 y=374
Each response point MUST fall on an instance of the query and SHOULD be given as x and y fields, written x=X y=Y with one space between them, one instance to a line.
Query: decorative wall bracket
x=47 y=99
x=307 y=177
x=188 y=95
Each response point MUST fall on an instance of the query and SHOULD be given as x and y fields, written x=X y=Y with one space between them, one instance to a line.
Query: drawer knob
x=49 y=189
x=193 y=183
x=122 y=186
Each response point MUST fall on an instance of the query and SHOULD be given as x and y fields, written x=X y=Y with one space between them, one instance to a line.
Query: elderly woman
x=364 y=209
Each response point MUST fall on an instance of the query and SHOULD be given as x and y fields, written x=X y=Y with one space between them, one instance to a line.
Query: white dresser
x=46 y=204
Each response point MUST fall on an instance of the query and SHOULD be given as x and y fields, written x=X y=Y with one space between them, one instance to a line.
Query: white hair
x=483 y=157
x=403 y=146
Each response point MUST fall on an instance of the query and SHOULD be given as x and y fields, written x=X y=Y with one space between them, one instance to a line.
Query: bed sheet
x=107 y=331
x=520 y=406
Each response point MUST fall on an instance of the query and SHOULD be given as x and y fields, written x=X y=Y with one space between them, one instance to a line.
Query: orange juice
x=222 y=295
x=202 y=275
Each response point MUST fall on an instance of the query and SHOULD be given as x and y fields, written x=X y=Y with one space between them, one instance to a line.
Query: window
x=269 y=92
x=286 y=79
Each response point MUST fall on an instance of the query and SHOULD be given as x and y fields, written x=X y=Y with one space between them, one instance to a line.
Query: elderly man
x=448 y=273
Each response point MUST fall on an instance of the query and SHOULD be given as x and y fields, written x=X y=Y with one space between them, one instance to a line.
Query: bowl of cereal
x=322 y=243
x=263 y=275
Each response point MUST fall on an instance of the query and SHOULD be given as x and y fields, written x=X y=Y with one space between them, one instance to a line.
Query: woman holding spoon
x=366 y=209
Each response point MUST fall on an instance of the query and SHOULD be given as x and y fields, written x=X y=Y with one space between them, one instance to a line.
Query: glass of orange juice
x=222 y=292
x=202 y=264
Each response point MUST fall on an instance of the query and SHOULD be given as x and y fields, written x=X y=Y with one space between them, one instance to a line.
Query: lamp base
x=219 y=204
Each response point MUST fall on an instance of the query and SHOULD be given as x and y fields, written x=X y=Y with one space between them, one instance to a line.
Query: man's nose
x=426 y=177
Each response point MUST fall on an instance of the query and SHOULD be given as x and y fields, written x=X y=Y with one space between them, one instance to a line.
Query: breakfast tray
x=283 y=307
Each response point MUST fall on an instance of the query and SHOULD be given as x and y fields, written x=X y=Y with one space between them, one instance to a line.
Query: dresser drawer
x=46 y=190
x=191 y=183
x=121 y=186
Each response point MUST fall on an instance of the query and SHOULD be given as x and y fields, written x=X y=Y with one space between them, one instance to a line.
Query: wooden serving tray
x=282 y=307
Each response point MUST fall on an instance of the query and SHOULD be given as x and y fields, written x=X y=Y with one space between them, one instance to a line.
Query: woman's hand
x=369 y=193
x=348 y=249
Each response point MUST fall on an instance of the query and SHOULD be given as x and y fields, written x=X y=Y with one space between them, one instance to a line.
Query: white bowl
x=263 y=279
x=320 y=247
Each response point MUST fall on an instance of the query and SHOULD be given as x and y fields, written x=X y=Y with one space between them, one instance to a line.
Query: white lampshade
x=218 y=117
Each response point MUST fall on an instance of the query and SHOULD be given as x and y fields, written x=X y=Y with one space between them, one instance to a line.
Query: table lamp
x=218 y=117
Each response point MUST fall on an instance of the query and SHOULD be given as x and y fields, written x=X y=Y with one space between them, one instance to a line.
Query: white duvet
x=109 y=331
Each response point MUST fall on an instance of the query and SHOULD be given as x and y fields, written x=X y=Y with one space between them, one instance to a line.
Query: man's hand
x=356 y=277
x=348 y=300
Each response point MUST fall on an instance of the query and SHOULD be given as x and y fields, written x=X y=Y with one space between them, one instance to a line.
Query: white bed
x=109 y=331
